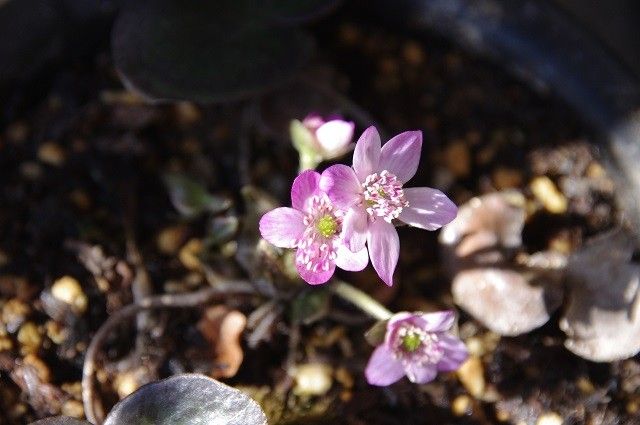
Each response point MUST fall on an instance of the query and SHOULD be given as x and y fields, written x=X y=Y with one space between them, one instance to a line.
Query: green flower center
x=411 y=342
x=327 y=226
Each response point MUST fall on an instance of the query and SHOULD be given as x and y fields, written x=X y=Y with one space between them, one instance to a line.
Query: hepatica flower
x=313 y=226
x=318 y=140
x=417 y=345
x=373 y=194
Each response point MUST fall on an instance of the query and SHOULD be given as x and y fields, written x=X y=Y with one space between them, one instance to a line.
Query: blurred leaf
x=376 y=333
x=60 y=420
x=221 y=230
x=299 y=11
x=309 y=306
x=190 y=198
x=213 y=51
x=187 y=399
x=602 y=319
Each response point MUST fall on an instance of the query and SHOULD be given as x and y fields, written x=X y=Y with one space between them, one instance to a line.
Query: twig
x=360 y=299
x=93 y=408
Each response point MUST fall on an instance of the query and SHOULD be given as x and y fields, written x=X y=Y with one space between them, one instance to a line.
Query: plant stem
x=360 y=299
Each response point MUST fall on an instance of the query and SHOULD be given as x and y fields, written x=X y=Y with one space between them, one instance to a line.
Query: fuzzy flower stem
x=360 y=299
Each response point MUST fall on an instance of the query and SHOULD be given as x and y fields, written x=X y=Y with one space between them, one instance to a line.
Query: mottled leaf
x=602 y=319
x=204 y=51
x=310 y=305
x=507 y=301
x=60 y=420
x=191 y=198
x=187 y=399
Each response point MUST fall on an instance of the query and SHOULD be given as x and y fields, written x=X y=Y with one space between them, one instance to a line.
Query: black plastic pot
x=585 y=52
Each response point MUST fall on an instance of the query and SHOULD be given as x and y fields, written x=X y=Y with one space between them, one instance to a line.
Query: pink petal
x=366 y=155
x=334 y=136
x=421 y=373
x=354 y=228
x=341 y=185
x=384 y=249
x=455 y=353
x=401 y=155
x=282 y=227
x=304 y=186
x=352 y=261
x=383 y=368
x=440 y=321
x=315 y=277
x=428 y=208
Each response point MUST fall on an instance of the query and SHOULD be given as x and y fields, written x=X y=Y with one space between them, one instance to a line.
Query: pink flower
x=318 y=140
x=332 y=137
x=373 y=194
x=313 y=227
x=418 y=345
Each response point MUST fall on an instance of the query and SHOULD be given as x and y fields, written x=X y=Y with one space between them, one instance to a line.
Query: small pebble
x=14 y=313
x=461 y=405
x=550 y=418
x=312 y=379
x=170 y=239
x=52 y=154
x=189 y=254
x=457 y=158
x=68 y=290
x=548 y=194
x=41 y=368
x=471 y=375
x=55 y=332
x=29 y=338
x=73 y=408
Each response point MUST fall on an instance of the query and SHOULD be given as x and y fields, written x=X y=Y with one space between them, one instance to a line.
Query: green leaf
x=310 y=305
x=208 y=51
x=222 y=229
x=184 y=400
x=191 y=198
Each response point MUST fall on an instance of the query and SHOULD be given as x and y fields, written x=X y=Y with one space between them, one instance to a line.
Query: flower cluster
x=418 y=345
x=347 y=215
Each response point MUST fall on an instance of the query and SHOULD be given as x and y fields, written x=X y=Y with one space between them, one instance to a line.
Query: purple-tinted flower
x=418 y=345
x=332 y=137
x=373 y=194
x=318 y=140
x=313 y=227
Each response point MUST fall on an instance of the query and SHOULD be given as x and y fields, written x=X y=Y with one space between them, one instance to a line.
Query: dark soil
x=83 y=168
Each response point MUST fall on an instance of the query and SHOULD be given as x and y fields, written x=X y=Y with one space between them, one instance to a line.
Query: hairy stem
x=360 y=299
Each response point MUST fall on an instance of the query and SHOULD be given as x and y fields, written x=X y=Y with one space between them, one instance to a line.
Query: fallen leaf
x=222 y=328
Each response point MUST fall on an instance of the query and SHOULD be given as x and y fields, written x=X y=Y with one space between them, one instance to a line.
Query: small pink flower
x=332 y=137
x=418 y=345
x=313 y=227
x=373 y=194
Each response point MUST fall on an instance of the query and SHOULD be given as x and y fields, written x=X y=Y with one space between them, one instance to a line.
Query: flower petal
x=384 y=249
x=334 y=136
x=341 y=185
x=366 y=155
x=401 y=155
x=315 y=277
x=455 y=353
x=421 y=373
x=304 y=186
x=428 y=208
x=282 y=226
x=383 y=368
x=352 y=261
x=354 y=228
x=440 y=321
